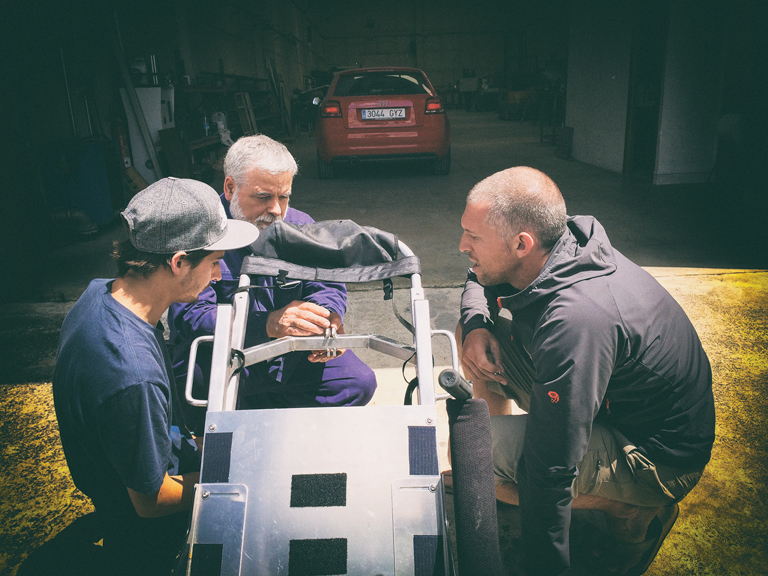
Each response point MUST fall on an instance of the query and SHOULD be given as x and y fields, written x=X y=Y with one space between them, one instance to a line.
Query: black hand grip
x=452 y=382
x=474 y=497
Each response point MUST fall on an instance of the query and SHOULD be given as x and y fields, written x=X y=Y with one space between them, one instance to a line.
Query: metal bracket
x=330 y=336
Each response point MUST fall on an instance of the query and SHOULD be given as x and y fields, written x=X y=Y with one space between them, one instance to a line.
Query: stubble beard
x=488 y=280
x=187 y=296
x=495 y=277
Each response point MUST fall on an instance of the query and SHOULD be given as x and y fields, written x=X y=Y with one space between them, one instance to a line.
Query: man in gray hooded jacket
x=612 y=375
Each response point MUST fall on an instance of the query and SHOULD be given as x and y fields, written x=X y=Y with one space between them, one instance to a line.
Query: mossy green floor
x=723 y=523
x=40 y=499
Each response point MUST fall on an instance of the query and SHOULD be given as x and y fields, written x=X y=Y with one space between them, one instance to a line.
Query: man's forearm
x=475 y=311
x=175 y=495
x=330 y=295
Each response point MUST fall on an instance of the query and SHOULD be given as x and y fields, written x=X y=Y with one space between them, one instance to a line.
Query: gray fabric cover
x=328 y=251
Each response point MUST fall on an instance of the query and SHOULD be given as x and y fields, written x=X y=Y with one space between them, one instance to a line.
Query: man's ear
x=522 y=243
x=229 y=188
x=176 y=261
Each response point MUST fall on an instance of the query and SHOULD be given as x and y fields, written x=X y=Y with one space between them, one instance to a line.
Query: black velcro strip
x=313 y=490
x=206 y=559
x=216 y=456
x=428 y=557
x=422 y=450
x=317 y=557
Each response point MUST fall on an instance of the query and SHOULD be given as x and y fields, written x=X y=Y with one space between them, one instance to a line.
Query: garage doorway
x=649 y=34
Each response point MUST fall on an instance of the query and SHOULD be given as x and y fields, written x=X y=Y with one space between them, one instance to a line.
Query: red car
x=381 y=114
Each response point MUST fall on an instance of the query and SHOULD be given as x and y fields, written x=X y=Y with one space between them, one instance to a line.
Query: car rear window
x=382 y=83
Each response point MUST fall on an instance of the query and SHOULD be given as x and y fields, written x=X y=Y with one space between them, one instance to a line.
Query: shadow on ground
x=72 y=552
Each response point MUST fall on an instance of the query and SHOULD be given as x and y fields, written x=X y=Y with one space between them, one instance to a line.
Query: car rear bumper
x=353 y=159
x=337 y=144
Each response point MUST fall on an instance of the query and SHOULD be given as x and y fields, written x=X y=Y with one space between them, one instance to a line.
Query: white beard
x=262 y=222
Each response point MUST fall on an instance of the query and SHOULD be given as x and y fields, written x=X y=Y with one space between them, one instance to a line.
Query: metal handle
x=454 y=349
x=454 y=360
x=191 y=371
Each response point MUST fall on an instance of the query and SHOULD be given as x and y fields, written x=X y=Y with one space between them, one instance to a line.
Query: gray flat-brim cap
x=178 y=214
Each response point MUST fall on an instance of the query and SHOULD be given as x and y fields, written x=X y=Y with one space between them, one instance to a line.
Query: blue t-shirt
x=118 y=415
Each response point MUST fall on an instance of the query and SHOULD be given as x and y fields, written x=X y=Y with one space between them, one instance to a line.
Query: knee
x=361 y=387
x=347 y=381
x=508 y=493
x=458 y=335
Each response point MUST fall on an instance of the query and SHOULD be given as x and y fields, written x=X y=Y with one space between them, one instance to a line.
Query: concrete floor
x=705 y=244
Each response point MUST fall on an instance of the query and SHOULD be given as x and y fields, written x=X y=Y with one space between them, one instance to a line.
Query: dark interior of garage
x=610 y=77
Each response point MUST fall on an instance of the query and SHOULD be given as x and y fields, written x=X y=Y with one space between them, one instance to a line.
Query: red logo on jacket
x=554 y=396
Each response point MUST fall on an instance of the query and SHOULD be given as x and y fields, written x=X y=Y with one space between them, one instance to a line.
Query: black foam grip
x=474 y=494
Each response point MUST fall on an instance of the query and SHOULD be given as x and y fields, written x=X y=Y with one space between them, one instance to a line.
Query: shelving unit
x=249 y=109
x=262 y=106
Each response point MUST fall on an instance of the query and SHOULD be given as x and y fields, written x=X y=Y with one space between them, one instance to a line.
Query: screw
x=429 y=420
x=206 y=495
x=212 y=427
x=433 y=488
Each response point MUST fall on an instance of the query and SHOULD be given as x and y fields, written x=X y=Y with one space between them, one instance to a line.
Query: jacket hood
x=583 y=252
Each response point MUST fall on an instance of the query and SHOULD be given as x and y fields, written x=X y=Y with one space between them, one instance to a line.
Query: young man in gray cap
x=120 y=421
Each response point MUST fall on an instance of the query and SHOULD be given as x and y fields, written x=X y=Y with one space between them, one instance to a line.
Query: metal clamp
x=330 y=334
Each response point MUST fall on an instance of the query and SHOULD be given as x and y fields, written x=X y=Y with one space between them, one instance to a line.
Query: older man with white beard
x=257 y=187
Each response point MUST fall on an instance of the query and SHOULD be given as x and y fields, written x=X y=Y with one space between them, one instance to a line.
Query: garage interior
x=651 y=118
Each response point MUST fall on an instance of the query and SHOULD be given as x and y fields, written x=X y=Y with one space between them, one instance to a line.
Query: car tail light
x=331 y=109
x=434 y=106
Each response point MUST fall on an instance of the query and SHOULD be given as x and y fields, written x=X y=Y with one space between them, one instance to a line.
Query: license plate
x=383 y=113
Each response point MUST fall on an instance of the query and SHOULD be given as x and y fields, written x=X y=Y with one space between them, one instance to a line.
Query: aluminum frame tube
x=229 y=335
x=241 y=303
x=287 y=344
x=422 y=338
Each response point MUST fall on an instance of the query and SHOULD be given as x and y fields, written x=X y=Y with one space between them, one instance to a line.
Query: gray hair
x=260 y=152
x=522 y=199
